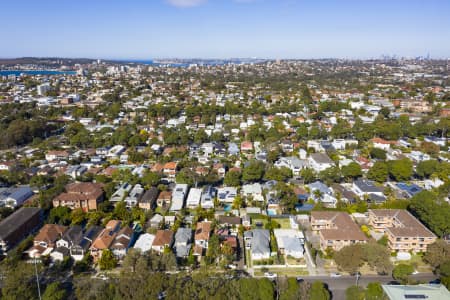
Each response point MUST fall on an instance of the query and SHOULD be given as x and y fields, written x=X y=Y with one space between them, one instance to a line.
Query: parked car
x=335 y=275
x=270 y=275
x=299 y=279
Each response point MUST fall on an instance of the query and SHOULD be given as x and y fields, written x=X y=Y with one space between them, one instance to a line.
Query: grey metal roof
x=16 y=220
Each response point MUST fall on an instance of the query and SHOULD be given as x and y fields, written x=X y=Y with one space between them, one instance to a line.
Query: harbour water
x=35 y=72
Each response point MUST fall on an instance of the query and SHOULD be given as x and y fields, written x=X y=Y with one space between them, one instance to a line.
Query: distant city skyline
x=275 y=29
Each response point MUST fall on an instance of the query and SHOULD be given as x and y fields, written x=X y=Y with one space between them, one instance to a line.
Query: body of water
x=35 y=72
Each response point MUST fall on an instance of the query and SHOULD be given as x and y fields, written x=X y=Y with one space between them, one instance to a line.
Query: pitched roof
x=107 y=236
x=321 y=158
x=163 y=237
x=408 y=225
x=344 y=227
x=203 y=231
x=49 y=233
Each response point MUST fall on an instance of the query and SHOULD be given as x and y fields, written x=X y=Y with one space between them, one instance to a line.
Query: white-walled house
x=319 y=162
x=253 y=190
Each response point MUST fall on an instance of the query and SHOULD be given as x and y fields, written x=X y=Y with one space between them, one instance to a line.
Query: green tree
x=54 y=291
x=19 y=281
x=278 y=174
x=254 y=171
x=402 y=271
x=107 y=260
x=213 y=250
x=377 y=257
x=319 y=292
x=150 y=179
x=350 y=258
x=378 y=153
x=432 y=211
x=437 y=254
x=374 y=291
x=426 y=168
x=308 y=175
x=401 y=170
x=379 y=172
x=351 y=171
x=186 y=176
x=232 y=178
x=60 y=215
x=354 y=293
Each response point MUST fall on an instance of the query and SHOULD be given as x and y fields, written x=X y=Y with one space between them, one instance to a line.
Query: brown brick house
x=336 y=229
x=84 y=195
x=405 y=233
x=45 y=240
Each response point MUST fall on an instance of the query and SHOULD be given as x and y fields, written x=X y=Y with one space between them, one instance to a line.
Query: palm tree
x=317 y=194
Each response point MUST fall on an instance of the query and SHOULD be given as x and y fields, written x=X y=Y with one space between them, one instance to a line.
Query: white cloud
x=185 y=3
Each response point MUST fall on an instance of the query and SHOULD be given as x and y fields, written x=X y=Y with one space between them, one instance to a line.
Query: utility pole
x=37 y=279
x=357 y=278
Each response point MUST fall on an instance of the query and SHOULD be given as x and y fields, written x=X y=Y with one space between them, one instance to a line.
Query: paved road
x=337 y=286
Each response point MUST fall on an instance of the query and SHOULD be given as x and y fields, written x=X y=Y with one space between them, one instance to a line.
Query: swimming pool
x=271 y=212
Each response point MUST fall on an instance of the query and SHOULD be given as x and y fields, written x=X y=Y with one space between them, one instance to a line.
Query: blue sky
x=143 y=29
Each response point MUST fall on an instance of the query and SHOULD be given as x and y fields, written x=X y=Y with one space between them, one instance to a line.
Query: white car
x=270 y=275
x=335 y=275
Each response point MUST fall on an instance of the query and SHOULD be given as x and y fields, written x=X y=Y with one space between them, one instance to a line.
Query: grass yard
x=259 y=221
x=284 y=222
x=293 y=261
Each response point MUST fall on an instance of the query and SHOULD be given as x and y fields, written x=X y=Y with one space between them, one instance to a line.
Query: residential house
x=105 y=239
x=84 y=195
x=14 y=196
x=202 y=235
x=247 y=147
x=405 y=233
x=156 y=221
x=170 y=170
x=381 y=143
x=229 y=221
x=45 y=241
x=336 y=230
x=123 y=240
x=226 y=194
x=193 y=199
x=120 y=194
x=367 y=188
x=292 y=163
x=164 y=198
x=76 y=171
x=56 y=155
x=183 y=242
x=148 y=200
x=208 y=196
x=408 y=190
x=345 y=194
x=179 y=194
x=75 y=242
x=289 y=242
x=233 y=149
x=319 y=162
x=260 y=244
x=321 y=192
x=254 y=191
x=163 y=239
x=144 y=242
x=134 y=196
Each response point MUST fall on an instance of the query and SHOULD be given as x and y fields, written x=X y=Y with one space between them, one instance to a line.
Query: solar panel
x=417 y=296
